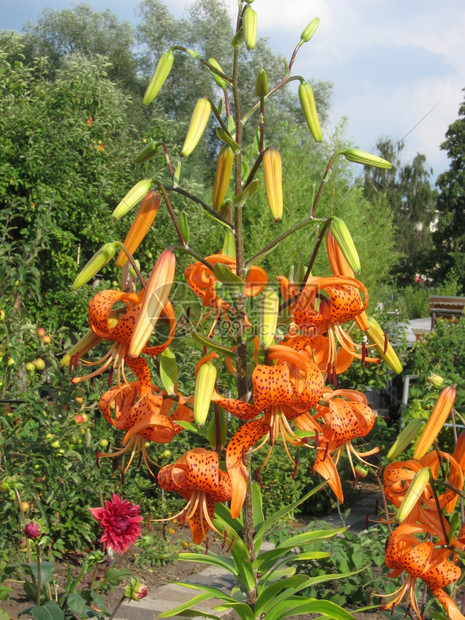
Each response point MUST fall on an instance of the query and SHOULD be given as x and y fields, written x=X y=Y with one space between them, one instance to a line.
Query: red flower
x=32 y=530
x=120 y=521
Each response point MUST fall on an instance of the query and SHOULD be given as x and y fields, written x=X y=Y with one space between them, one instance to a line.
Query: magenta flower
x=121 y=523
x=32 y=530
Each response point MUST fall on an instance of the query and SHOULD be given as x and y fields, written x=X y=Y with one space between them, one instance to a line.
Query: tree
x=449 y=237
x=81 y=30
x=56 y=176
x=408 y=192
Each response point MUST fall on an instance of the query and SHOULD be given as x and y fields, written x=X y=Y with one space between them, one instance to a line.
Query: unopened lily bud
x=382 y=345
x=204 y=386
x=249 y=20
x=134 y=195
x=154 y=300
x=405 y=438
x=269 y=310
x=261 y=84
x=343 y=238
x=272 y=172
x=367 y=159
x=199 y=121
x=141 y=225
x=219 y=80
x=184 y=226
x=414 y=492
x=168 y=370
x=161 y=73
x=147 y=152
x=223 y=174
x=307 y=102
x=97 y=262
x=310 y=30
x=82 y=347
x=436 y=381
x=436 y=421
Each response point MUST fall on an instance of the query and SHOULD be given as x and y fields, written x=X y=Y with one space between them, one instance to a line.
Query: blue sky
x=398 y=66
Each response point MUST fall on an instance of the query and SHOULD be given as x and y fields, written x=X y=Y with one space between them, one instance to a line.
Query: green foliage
x=351 y=553
x=449 y=237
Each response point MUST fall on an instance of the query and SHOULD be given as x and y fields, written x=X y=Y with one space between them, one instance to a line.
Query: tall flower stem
x=39 y=576
x=242 y=382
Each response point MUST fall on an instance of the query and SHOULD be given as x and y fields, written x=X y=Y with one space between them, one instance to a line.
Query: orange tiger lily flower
x=345 y=417
x=282 y=392
x=117 y=326
x=320 y=309
x=146 y=416
x=202 y=281
x=398 y=476
x=197 y=477
x=421 y=560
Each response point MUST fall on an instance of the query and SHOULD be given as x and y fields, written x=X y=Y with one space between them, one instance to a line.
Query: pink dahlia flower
x=121 y=523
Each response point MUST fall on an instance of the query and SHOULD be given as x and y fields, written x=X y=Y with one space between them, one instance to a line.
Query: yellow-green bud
x=219 y=80
x=184 y=226
x=405 y=438
x=436 y=381
x=229 y=246
x=415 y=490
x=161 y=73
x=378 y=338
x=224 y=168
x=310 y=30
x=147 y=152
x=97 y=262
x=344 y=240
x=249 y=20
x=199 y=121
x=134 y=195
x=272 y=172
x=168 y=370
x=204 y=387
x=269 y=310
x=367 y=159
x=307 y=102
x=261 y=84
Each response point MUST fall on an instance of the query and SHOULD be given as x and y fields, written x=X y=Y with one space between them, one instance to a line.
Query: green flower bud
x=219 y=80
x=147 y=152
x=310 y=30
x=134 y=195
x=161 y=73
x=405 y=438
x=367 y=159
x=417 y=487
x=344 y=240
x=204 y=387
x=261 y=84
x=249 y=20
x=97 y=262
x=269 y=310
x=307 y=102
x=199 y=121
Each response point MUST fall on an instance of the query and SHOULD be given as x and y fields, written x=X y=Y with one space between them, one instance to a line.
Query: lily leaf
x=212 y=559
x=299 y=606
x=226 y=276
x=212 y=344
x=275 y=593
x=270 y=522
x=207 y=593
